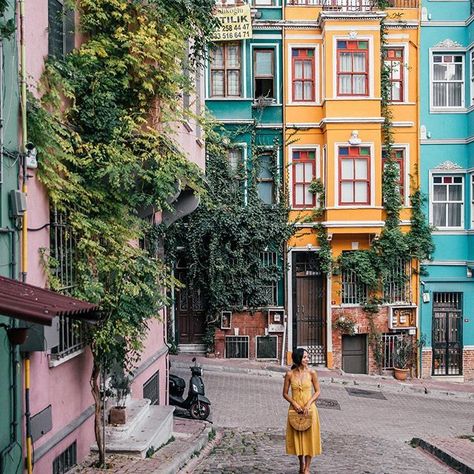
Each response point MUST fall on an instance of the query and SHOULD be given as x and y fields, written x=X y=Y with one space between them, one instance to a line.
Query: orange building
x=332 y=81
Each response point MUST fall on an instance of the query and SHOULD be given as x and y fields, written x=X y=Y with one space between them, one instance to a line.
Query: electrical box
x=17 y=203
x=41 y=423
x=276 y=319
x=41 y=338
x=402 y=317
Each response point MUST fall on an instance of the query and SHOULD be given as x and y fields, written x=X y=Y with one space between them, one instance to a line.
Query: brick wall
x=360 y=317
x=468 y=364
x=248 y=324
x=427 y=363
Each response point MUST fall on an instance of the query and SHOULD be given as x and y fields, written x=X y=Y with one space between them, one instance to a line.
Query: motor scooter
x=196 y=402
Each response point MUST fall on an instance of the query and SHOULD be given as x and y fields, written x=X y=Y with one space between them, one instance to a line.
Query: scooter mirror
x=194 y=359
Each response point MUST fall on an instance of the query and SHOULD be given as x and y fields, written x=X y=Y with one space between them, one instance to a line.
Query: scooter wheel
x=199 y=410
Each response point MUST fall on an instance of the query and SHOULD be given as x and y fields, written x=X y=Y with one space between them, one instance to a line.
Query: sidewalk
x=429 y=387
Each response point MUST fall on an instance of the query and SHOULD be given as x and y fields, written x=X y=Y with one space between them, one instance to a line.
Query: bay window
x=352 y=68
x=448 y=80
x=447 y=199
x=354 y=181
x=225 y=70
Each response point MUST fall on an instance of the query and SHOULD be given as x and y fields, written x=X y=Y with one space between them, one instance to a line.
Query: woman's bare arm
x=317 y=390
x=286 y=396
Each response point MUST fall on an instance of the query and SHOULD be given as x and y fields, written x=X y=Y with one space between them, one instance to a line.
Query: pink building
x=61 y=404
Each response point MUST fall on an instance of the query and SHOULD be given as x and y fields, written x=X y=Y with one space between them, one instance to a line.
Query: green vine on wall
x=7 y=27
x=103 y=128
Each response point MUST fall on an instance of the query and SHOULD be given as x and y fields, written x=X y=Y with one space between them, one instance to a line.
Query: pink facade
x=64 y=384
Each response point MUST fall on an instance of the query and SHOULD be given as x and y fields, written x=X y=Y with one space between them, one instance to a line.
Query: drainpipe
x=29 y=443
x=24 y=138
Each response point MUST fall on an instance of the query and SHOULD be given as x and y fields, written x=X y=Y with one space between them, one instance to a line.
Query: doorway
x=447 y=333
x=354 y=354
x=309 y=317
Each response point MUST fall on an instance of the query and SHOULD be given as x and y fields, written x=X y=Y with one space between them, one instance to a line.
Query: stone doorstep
x=153 y=431
x=137 y=410
x=455 y=452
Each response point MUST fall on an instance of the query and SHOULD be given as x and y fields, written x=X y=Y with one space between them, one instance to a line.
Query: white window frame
x=317 y=74
x=441 y=173
x=463 y=88
x=291 y=148
x=276 y=66
x=371 y=56
x=471 y=57
x=472 y=201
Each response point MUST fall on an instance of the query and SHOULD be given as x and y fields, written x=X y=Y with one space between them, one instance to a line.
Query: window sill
x=62 y=360
x=448 y=110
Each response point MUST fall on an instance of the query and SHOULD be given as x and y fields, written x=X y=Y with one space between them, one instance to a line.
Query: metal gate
x=309 y=319
x=447 y=334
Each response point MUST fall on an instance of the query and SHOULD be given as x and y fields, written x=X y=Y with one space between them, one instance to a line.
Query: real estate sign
x=235 y=23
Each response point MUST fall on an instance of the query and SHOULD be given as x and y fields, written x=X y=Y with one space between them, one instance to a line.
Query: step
x=153 y=430
x=192 y=348
x=137 y=410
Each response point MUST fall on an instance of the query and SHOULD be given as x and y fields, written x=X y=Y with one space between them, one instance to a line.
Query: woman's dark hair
x=297 y=357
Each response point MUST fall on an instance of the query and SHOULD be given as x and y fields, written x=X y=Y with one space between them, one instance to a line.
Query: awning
x=37 y=305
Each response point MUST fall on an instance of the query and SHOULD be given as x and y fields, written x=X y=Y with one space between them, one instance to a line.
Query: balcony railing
x=354 y=5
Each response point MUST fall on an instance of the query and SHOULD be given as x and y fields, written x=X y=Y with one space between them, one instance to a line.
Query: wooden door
x=354 y=354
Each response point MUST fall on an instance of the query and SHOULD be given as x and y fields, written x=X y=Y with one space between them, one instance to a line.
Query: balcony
x=354 y=5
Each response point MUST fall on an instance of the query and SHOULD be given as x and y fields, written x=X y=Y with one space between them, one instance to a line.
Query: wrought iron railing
x=389 y=343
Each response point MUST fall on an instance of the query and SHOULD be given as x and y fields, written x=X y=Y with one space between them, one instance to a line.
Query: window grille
x=390 y=342
x=61 y=26
x=237 y=347
x=267 y=347
x=270 y=290
x=353 y=290
x=71 y=338
x=151 y=388
x=396 y=287
x=66 y=460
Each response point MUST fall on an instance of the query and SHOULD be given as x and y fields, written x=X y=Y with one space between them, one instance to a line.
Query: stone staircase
x=148 y=427
x=192 y=348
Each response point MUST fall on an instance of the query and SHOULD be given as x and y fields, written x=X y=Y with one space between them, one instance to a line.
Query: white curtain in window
x=440 y=192
x=455 y=192
x=233 y=83
x=299 y=172
x=361 y=191
x=299 y=195
x=454 y=94
x=347 y=169
x=298 y=90
x=298 y=70
x=233 y=56
x=347 y=192
x=396 y=92
x=263 y=63
x=454 y=214
x=359 y=62
x=217 y=83
x=308 y=70
x=439 y=215
x=345 y=62
x=360 y=169
x=218 y=57
x=439 y=94
x=345 y=84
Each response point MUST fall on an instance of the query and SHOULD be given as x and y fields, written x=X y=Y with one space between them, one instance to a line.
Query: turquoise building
x=10 y=368
x=447 y=178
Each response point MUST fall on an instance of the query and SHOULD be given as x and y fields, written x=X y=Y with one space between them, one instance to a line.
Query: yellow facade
x=334 y=121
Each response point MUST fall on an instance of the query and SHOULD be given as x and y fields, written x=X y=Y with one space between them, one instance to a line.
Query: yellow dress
x=306 y=443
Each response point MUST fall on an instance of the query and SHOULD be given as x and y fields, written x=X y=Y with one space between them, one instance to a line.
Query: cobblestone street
x=360 y=434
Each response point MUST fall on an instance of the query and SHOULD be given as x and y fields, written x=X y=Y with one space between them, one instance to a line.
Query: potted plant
x=120 y=386
x=345 y=325
x=403 y=357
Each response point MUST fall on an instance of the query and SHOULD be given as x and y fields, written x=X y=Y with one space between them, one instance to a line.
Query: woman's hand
x=297 y=408
x=306 y=408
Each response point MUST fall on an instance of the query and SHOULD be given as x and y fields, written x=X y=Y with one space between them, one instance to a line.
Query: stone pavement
x=427 y=386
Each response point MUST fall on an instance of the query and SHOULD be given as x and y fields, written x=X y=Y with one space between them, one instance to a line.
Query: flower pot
x=17 y=336
x=117 y=416
x=400 y=374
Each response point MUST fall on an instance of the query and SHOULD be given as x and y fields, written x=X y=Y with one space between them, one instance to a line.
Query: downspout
x=24 y=229
x=24 y=139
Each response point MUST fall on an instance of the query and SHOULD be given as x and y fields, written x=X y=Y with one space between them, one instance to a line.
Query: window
x=304 y=171
x=396 y=284
x=270 y=287
x=398 y=156
x=264 y=70
x=263 y=2
x=448 y=80
x=265 y=179
x=472 y=201
x=225 y=70
x=447 y=201
x=354 y=183
x=472 y=77
x=66 y=460
x=151 y=388
x=60 y=29
x=235 y=157
x=353 y=290
x=394 y=62
x=303 y=75
x=352 y=68
x=237 y=347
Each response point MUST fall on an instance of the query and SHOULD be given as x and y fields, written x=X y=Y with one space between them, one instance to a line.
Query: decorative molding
x=448 y=44
x=448 y=165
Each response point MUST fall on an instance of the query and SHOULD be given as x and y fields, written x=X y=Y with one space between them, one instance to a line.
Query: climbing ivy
x=103 y=128
x=7 y=27
x=223 y=240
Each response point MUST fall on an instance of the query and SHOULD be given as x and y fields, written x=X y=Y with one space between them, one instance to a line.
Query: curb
x=443 y=456
x=194 y=462
x=275 y=371
x=183 y=458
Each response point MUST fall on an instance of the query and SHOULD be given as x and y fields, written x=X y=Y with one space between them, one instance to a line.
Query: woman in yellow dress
x=304 y=444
